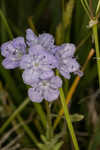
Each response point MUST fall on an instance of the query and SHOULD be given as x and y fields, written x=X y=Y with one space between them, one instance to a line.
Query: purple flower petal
x=13 y=51
x=65 y=50
x=47 y=74
x=31 y=38
x=55 y=82
x=51 y=60
x=51 y=94
x=71 y=64
x=25 y=62
x=49 y=88
x=6 y=48
x=65 y=74
x=9 y=64
x=40 y=64
x=36 y=50
x=29 y=76
x=18 y=43
x=35 y=95
x=67 y=64
x=46 y=40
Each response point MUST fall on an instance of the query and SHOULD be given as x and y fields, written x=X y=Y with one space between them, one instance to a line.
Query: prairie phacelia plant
x=39 y=57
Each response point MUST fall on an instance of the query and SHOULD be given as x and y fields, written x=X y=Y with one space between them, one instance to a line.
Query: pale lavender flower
x=31 y=38
x=13 y=51
x=46 y=40
x=67 y=64
x=45 y=89
x=38 y=64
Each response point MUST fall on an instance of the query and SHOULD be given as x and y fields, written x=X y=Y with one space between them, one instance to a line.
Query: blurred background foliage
x=30 y=127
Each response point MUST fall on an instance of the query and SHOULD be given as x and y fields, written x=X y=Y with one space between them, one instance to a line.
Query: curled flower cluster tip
x=38 y=56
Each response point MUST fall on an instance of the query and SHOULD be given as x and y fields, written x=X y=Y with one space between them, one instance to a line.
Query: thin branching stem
x=87 y=5
x=98 y=7
x=85 y=8
x=91 y=8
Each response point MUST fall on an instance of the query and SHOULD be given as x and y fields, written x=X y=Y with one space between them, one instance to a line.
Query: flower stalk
x=68 y=120
x=95 y=34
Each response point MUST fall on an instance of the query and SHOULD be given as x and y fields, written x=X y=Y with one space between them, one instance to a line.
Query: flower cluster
x=39 y=57
x=13 y=52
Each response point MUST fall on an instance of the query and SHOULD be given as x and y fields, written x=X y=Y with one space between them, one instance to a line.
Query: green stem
x=19 y=109
x=49 y=124
x=63 y=25
x=28 y=131
x=98 y=7
x=41 y=113
x=85 y=7
x=3 y=33
x=25 y=126
x=68 y=120
x=95 y=34
x=6 y=24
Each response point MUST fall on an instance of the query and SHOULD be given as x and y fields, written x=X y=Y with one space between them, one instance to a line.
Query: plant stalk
x=17 y=111
x=95 y=34
x=68 y=120
x=49 y=122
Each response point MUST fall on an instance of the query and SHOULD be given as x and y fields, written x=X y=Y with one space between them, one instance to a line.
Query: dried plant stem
x=68 y=120
x=95 y=34
x=91 y=8
x=28 y=130
x=20 y=108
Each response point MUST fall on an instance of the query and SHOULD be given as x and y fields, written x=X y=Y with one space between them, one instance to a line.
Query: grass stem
x=68 y=120
x=95 y=34
x=19 y=109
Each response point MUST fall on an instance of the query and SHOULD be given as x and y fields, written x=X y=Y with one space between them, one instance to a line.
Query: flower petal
x=51 y=94
x=65 y=74
x=6 y=49
x=63 y=70
x=29 y=76
x=46 y=40
x=9 y=64
x=46 y=74
x=31 y=38
x=36 y=50
x=35 y=95
x=25 y=62
x=55 y=82
x=71 y=64
x=65 y=50
x=19 y=44
x=50 y=60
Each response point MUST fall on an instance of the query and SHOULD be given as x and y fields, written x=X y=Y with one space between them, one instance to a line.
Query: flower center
x=36 y=64
x=44 y=83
